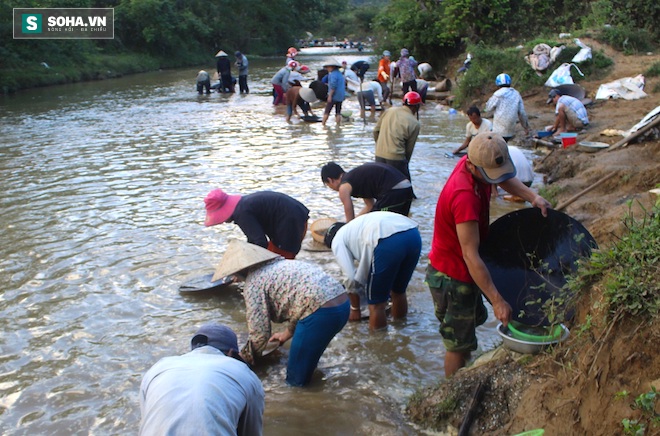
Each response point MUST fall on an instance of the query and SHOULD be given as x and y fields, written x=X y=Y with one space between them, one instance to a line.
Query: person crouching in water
x=312 y=303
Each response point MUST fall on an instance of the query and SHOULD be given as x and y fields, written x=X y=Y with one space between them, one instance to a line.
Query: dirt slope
x=577 y=390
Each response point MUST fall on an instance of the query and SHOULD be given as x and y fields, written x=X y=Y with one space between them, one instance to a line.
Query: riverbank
x=589 y=384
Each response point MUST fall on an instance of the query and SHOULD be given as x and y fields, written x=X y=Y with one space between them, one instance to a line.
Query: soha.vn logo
x=32 y=23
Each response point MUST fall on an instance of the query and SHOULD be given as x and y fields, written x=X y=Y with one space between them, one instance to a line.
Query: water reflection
x=102 y=219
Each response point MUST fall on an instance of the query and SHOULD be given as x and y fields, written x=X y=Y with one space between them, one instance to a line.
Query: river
x=102 y=220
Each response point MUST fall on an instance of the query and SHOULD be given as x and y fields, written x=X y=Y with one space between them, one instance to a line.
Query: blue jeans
x=311 y=338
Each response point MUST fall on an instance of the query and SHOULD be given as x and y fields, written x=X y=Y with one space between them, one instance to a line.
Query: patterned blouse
x=279 y=291
x=508 y=108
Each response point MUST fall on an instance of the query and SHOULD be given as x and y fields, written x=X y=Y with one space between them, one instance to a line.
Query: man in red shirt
x=456 y=274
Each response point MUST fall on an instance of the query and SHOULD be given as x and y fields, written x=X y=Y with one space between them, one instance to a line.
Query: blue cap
x=216 y=335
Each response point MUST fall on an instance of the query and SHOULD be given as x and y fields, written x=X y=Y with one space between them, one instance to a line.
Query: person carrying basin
x=456 y=274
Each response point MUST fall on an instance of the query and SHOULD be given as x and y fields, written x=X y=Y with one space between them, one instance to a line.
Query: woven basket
x=319 y=227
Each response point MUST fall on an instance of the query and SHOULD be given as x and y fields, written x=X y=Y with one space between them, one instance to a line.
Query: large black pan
x=529 y=257
x=205 y=283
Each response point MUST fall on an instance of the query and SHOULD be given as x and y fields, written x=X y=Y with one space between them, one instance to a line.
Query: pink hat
x=219 y=207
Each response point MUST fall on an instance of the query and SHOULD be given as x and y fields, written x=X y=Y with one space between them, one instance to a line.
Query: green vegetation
x=654 y=70
x=628 y=271
x=645 y=403
x=550 y=193
x=488 y=62
x=629 y=41
x=153 y=34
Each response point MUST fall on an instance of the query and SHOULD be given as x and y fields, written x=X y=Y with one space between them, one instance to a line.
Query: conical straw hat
x=240 y=255
x=308 y=95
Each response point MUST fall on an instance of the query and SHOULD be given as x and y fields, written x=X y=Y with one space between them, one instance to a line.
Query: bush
x=653 y=71
x=627 y=272
x=627 y=40
x=487 y=63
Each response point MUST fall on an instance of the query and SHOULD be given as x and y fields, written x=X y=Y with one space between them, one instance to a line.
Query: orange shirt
x=383 y=68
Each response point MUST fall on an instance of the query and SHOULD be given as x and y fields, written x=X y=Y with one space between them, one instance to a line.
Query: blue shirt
x=202 y=392
x=337 y=83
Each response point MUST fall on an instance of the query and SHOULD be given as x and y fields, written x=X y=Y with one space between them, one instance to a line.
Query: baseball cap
x=552 y=94
x=216 y=335
x=489 y=153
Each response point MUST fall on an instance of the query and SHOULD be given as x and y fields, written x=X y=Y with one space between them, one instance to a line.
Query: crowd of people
x=337 y=80
x=212 y=388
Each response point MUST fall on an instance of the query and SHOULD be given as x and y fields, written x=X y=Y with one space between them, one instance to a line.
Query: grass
x=629 y=41
x=628 y=271
x=653 y=71
x=550 y=193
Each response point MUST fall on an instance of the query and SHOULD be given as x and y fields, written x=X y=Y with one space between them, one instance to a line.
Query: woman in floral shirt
x=314 y=304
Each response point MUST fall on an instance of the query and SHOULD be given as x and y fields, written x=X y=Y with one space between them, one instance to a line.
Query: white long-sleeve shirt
x=358 y=239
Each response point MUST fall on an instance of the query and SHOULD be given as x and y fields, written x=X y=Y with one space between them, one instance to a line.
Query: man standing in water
x=224 y=71
x=396 y=133
x=336 y=91
x=242 y=65
x=456 y=274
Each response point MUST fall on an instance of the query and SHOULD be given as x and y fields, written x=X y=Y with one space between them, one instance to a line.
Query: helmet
x=387 y=53
x=292 y=64
x=503 y=79
x=412 y=99
x=292 y=50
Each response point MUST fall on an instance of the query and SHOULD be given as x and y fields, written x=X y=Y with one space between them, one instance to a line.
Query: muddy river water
x=102 y=219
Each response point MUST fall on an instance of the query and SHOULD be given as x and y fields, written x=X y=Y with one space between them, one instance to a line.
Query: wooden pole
x=584 y=191
x=646 y=128
x=472 y=411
